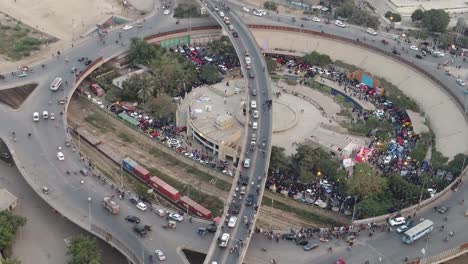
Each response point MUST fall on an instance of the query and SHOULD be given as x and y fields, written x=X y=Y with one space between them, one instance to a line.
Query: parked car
x=443 y=209
x=402 y=228
x=310 y=246
x=176 y=217
x=397 y=221
x=142 y=206
x=160 y=255
x=60 y=156
x=132 y=219
x=140 y=230
x=36 y=116
x=127 y=27
x=340 y=24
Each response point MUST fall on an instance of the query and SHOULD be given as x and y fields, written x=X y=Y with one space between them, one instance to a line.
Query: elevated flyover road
x=232 y=249
x=76 y=197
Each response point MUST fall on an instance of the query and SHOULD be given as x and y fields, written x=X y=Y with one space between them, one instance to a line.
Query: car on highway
x=132 y=219
x=166 y=12
x=235 y=34
x=250 y=199
x=255 y=114
x=127 y=27
x=248 y=60
x=315 y=19
x=257 y=13
x=419 y=56
x=371 y=31
x=142 y=206
x=35 y=116
x=253 y=104
x=397 y=221
x=232 y=221
x=310 y=246
x=254 y=125
x=245 y=9
x=247 y=163
x=159 y=254
x=413 y=47
x=60 y=156
x=52 y=116
x=176 y=217
x=443 y=209
x=402 y=229
x=45 y=114
x=221 y=14
x=161 y=212
x=223 y=242
x=460 y=82
x=140 y=230
x=254 y=92
x=340 y=24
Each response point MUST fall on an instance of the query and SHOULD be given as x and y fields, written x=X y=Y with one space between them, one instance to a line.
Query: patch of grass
x=397 y=96
x=186 y=11
x=301 y=213
x=125 y=137
x=318 y=86
x=100 y=123
x=372 y=123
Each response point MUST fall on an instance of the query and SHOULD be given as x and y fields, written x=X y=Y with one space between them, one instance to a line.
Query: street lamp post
x=89 y=211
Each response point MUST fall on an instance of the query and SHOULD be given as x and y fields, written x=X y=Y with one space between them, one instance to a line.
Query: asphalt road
x=259 y=156
x=37 y=161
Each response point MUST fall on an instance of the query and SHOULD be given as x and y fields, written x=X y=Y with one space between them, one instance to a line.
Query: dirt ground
x=77 y=112
x=66 y=19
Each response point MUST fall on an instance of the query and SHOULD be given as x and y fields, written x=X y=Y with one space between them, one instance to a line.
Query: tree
x=394 y=17
x=9 y=224
x=370 y=206
x=278 y=160
x=438 y=160
x=310 y=163
x=458 y=164
x=142 y=52
x=403 y=192
x=84 y=250
x=209 y=74
x=417 y=15
x=315 y=58
x=436 y=20
x=272 y=65
x=10 y=261
x=270 y=5
x=138 y=87
x=365 y=181
x=346 y=10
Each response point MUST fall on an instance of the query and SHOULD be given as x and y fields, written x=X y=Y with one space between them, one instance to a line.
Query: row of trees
x=84 y=250
x=357 y=15
x=434 y=20
x=9 y=224
x=375 y=194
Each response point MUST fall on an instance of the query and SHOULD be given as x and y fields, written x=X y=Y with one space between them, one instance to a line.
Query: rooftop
x=6 y=199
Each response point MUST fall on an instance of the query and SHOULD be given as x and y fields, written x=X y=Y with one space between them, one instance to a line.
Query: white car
x=223 y=242
x=127 y=27
x=413 y=47
x=402 y=229
x=460 y=82
x=221 y=14
x=438 y=53
x=254 y=125
x=141 y=206
x=315 y=19
x=255 y=114
x=232 y=221
x=176 y=217
x=52 y=116
x=60 y=156
x=35 y=116
x=248 y=60
x=257 y=13
x=371 y=31
x=397 y=221
x=339 y=24
x=246 y=163
x=45 y=114
x=166 y=12
x=160 y=255
x=245 y=9
x=263 y=12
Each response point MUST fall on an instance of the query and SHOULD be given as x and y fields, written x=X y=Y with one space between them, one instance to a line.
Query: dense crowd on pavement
x=394 y=159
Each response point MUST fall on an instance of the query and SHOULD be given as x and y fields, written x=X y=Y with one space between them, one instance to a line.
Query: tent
x=363 y=154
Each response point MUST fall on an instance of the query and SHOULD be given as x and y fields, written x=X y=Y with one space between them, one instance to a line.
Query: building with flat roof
x=8 y=201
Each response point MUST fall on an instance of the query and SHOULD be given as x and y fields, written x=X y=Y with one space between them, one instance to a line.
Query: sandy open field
x=66 y=19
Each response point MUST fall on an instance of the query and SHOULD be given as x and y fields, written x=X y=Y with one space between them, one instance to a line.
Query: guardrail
x=443 y=256
x=114 y=241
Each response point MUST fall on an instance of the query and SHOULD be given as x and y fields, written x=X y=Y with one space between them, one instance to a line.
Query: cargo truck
x=111 y=205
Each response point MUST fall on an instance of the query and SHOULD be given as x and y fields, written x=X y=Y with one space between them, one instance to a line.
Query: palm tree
x=146 y=91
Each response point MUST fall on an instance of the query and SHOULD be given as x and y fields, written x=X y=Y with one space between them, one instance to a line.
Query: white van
x=56 y=84
x=224 y=240
x=254 y=125
x=45 y=114
x=246 y=163
x=253 y=104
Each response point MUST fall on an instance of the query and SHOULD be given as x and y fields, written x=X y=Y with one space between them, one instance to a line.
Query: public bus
x=418 y=231
x=56 y=84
